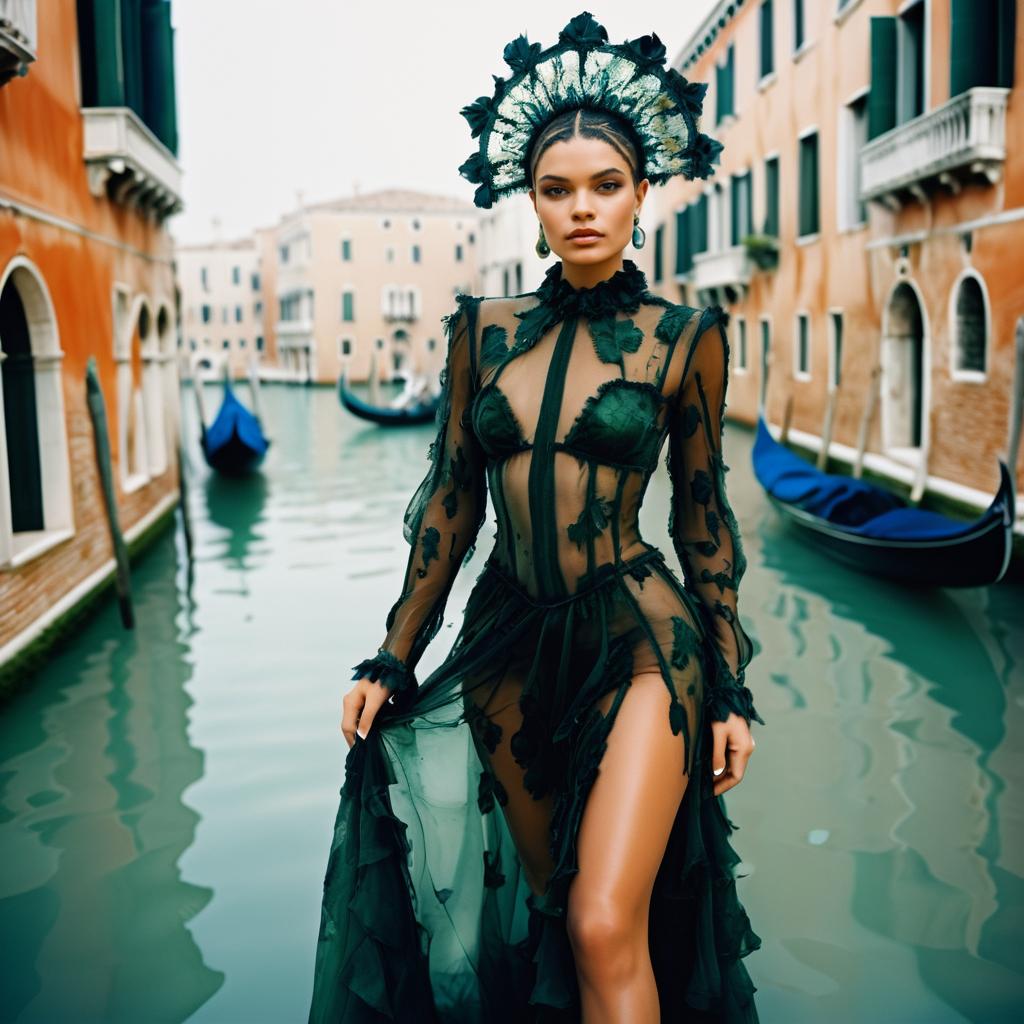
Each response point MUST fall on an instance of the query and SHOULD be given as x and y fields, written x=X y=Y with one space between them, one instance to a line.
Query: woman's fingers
x=351 y=706
x=731 y=750
x=375 y=697
x=360 y=707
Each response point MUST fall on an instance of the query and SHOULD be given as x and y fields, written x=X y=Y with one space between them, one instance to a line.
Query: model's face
x=585 y=185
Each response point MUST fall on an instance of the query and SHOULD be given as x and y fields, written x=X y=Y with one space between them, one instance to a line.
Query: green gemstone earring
x=542 y=247
x=639 y=235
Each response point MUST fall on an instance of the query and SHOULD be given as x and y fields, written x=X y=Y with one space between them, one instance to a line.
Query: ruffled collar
x=620 y=292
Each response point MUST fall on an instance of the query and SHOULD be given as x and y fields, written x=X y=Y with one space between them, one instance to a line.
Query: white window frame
x=798 y=374
x=814 y=235
x=955 y=372
x=348 y=289
x=762 y=213
x=832 y=313
x=926 y=73
x=809 y=40
x=742 y=335
x=764 y=352
x=845 y=201
x=55 y=464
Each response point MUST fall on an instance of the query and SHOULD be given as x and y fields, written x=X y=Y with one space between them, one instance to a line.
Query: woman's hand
x=360 y=707
x=733 y=736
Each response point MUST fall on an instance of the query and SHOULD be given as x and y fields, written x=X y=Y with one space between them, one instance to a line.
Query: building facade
x=860 y=226
x=88 y=177
x=221 y=307
x=362 y=274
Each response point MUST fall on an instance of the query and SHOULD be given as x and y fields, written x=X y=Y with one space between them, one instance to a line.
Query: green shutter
x=808 y=199
x=158 y=72
x=131 y=47
x=699 y=225
x=798 y=24
x=972 y=45
x=747 y=227
x=684 y=240
x=735 y=184
x=882 y=98
x=730 y=78
x=1007 y=37
x=771 y=197
x=659 y=244
x=767 y=39
x=102 y=64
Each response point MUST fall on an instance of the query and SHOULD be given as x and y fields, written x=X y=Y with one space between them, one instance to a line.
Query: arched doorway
x=903 y=367
x=401 y=354
x=35 y=479
x=24 y=466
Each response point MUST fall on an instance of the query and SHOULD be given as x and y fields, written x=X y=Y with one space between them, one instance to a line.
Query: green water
x=167 y=796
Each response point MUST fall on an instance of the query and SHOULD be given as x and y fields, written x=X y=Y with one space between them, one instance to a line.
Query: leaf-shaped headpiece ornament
x=583 y=69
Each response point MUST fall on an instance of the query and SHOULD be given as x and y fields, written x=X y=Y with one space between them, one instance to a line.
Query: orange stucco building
x=862 y=227
x=87 y=177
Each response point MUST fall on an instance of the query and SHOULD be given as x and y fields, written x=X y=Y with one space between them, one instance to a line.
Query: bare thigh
x=631 y=807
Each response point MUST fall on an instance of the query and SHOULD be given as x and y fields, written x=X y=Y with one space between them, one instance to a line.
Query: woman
x=535 y=831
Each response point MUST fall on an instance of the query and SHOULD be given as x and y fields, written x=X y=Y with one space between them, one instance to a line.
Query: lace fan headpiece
x=583 y=69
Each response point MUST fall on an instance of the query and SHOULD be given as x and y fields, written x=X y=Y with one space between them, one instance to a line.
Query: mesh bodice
x=558 y=403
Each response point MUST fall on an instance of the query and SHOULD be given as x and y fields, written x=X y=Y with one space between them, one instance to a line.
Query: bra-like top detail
x=495 y=424
x=619 y=423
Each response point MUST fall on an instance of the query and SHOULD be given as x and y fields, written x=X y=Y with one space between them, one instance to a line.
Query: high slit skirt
x=427 y=913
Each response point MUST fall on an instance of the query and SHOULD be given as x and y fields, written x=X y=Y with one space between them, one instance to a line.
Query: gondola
x=387 y=416
x=875 y=531
x=234 y=444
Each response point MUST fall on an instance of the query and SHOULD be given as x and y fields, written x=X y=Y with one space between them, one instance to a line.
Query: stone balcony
x=722 y=276
x=294 y=333
x=126 y=161
x=17 y=37
x=943 y=148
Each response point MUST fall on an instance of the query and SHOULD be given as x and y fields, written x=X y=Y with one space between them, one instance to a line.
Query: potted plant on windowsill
x=762 y=250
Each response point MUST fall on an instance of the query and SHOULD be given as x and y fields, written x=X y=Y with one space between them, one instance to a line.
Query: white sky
x=277 y=96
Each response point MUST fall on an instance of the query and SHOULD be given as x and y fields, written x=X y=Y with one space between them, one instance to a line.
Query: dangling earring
x=639 y=235
x=542 y=247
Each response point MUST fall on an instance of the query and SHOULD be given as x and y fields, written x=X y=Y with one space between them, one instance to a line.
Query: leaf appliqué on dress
x=431 y=540
x=593 y=520
x=493 y=345
x=613 y=337
x=685 y=642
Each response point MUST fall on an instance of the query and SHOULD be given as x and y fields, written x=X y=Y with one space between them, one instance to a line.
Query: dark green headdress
x=584 y=70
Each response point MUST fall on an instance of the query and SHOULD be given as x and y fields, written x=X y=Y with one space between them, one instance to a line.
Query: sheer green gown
x=558 y=403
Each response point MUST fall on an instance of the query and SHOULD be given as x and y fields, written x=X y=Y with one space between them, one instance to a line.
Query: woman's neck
x=586 y=275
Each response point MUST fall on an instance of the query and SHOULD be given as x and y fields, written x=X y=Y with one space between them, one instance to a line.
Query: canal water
x=167 y=795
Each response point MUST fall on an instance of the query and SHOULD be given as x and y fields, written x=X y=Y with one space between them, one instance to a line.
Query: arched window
x=142 y=432
x=35 y=481
x=970 y=326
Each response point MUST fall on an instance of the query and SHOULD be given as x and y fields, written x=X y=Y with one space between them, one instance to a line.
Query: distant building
x=509 y=264
x=221 y=306
x=88 y=176
x=368 y=272
x=867 y=211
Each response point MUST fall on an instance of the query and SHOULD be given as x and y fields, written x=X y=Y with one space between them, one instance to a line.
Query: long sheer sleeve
x=704 y=530
x=442 y=519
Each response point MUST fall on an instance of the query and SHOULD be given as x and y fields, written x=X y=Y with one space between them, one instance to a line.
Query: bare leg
x=623 y=834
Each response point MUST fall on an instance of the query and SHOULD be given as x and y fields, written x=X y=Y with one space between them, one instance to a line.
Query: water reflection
x=94 y=762
x=912 y=757
x=167 y=797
